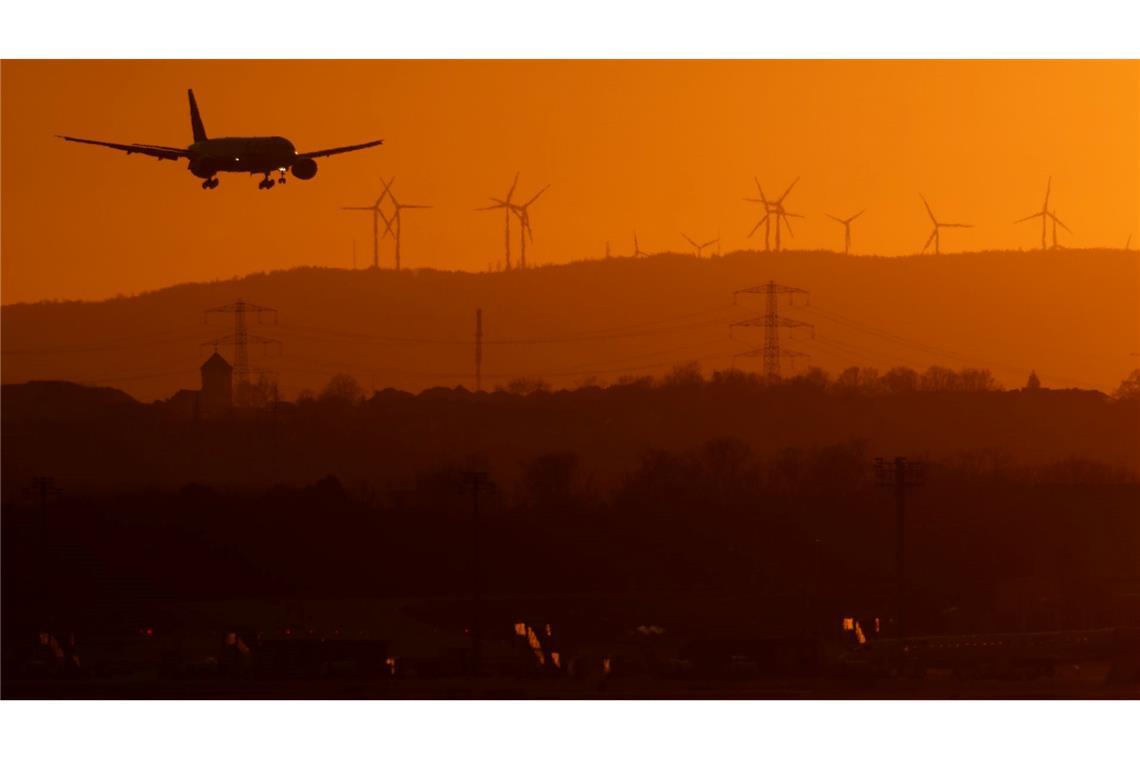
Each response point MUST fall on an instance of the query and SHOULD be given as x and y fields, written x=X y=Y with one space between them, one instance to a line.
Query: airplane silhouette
x=255 y=155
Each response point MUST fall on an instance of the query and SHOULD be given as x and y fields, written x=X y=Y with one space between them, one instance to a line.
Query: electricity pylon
x=772 y=322
x=240 y=339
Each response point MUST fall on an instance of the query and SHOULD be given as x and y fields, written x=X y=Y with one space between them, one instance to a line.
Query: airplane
x=255 y=155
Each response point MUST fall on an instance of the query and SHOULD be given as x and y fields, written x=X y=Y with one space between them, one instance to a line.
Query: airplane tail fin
x=196 y=119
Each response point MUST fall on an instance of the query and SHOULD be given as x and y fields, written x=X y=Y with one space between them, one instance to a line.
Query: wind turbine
x=847 y=229
x=698 y=246
x=637 y=252
x=506 y=206
x=399 y=207
x=1043 y=213
x=377 y=214
x=935 y=236
x=522 y=211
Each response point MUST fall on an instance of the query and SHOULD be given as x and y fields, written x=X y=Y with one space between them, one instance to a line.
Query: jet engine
x=202 y=167
x=304 y=168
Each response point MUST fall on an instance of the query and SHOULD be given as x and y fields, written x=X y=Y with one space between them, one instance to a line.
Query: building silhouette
x=217 y=394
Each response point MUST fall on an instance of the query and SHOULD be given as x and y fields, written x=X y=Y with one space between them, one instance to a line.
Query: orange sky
x=660 y=147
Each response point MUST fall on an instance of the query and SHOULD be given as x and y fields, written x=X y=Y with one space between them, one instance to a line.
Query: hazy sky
x=657 y=147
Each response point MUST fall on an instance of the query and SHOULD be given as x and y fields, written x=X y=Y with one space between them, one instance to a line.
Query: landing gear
x=281 y=180
x=266 y=183
x=210 y=183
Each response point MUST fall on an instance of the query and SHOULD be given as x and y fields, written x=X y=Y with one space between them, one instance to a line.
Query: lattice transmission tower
x=772 y=322
x=240 y=339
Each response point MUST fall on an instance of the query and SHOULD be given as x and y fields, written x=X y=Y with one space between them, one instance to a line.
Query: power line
x=111 y=344
x=635 y=331
x=929 y=348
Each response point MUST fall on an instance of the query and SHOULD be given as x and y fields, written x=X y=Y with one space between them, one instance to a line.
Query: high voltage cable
x=609 y=333
x=337 y=336
x=580 y=369
x=126 y=342
x=935 y=350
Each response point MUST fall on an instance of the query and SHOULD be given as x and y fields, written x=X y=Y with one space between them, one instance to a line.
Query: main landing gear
x=210 y=184
x=267 y=183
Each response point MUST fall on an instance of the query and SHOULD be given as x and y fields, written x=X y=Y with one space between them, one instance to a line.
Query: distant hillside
x=1070 y=315
x=57 y=400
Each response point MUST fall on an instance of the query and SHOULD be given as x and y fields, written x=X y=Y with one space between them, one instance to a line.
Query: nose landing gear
x=210 y=183
x=281 y=180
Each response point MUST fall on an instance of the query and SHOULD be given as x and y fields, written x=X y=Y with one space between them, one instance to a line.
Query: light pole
x=900 y=475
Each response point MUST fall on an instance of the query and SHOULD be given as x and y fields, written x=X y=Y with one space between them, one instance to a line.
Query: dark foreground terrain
x=675 y=538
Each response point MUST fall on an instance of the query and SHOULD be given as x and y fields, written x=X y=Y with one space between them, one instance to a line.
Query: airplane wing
x=158 y=151
x=334 y=151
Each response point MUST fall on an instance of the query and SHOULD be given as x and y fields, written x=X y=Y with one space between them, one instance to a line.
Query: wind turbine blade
x=535 y=198
x=785 y=195
x=928 y=211
x=856 y=216
x=357 y=208
x=691 y=241
x=836 y=219
x=762 y=221
x=954 y=224
x=763 y=197
x=411 y=205
x=929 y=240
x=513 y=185
x=786 y=223
x=1058 y=221
x=1031 y=216
x=705 y=245
x=1048 y=189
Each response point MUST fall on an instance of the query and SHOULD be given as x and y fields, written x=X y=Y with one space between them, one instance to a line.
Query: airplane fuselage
x=252 y=155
